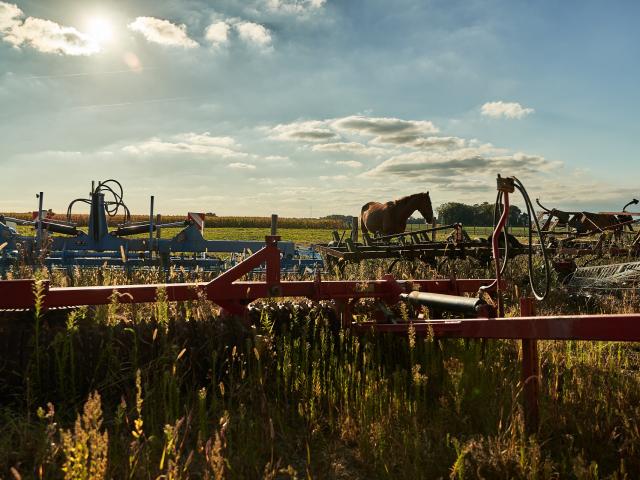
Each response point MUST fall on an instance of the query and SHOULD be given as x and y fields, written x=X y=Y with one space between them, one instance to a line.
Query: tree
x=477 y=214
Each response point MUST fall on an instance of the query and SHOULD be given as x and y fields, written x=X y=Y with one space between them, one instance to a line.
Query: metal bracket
x=505 y=184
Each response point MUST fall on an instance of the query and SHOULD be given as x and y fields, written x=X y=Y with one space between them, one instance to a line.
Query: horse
x=391 y=217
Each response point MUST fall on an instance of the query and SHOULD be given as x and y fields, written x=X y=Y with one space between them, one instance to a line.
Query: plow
x=440 y=308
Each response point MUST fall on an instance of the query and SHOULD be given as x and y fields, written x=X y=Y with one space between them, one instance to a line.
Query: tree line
x=478 y=214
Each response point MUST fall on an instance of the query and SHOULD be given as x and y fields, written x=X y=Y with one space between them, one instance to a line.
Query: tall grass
x=172 y=390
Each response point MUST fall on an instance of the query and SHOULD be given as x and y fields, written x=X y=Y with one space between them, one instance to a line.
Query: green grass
x=186 y=394
x=304 y=236
x=297 y=235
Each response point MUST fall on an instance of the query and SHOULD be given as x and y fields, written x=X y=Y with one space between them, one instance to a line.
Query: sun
x=99 y=29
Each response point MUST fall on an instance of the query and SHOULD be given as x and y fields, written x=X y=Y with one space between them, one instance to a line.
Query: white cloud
x=187 y=143
x=295 y=6
x=384 y=126
x=206 y=139
x=241 y=166
x=163 y=32
x=254 y=33
x=461 y=162
x=333 y=177
x=43 y=35
x=276 y=158
x=218 y=33
x=417 y=141
x=348 y=147
x=9 y=15
x=304 y=131
x=349 y=163
x=505 y=109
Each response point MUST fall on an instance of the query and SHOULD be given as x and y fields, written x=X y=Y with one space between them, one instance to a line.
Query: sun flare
x=99 y=29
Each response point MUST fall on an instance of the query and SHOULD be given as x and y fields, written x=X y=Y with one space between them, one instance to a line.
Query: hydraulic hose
x=111 y=206
x=533 y=219
x=497 y=212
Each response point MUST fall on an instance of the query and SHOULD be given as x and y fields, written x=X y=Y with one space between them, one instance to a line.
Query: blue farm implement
x=62 y=244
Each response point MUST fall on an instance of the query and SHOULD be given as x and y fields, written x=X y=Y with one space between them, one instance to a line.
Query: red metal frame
x=233 y=295
x=625 y=327
x=227 y=291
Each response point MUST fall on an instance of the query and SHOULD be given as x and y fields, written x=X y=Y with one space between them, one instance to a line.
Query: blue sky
x=316 y=107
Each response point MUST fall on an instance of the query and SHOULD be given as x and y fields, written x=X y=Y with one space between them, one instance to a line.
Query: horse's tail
x=363 y=227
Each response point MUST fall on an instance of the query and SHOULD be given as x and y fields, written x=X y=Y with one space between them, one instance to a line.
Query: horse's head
x=424 y=206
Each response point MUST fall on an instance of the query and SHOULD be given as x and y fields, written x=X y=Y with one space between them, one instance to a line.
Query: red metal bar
x=623 y=328
x=495 y=249
x=530 y=371
x=227 y=291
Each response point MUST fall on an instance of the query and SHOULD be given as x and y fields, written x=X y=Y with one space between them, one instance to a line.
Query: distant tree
x=479 y=214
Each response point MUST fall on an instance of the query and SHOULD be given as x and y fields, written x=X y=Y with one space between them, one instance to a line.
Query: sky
x=315 y=107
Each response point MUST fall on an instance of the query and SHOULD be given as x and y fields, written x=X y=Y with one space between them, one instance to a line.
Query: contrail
x=88 y=74
x=124 y=104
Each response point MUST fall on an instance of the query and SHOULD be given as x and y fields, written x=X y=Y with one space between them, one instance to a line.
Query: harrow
x=415 y=246
x=98 y=246
x=477 y=300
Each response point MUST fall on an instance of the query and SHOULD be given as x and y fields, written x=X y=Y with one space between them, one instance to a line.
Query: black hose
x=69 y=208
x=533 y=219
x=112 y=207
x=497 y=213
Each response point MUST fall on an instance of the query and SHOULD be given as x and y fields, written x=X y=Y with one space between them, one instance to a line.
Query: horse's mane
x=409 y=197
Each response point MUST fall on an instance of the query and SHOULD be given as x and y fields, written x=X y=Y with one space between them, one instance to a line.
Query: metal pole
x=39 y=231
x=151 y=230
x=530 y=371
x=274 y=224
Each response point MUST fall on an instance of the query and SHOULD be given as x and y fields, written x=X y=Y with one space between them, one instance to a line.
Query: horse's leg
x=363 y=228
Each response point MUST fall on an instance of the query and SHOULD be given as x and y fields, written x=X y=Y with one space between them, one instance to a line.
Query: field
x=303 y=236
x=171 y=390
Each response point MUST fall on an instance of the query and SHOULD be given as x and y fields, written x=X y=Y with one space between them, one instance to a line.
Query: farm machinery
x=413 y=247
x=477 y=301
x=63 y=244
x=573 y=235
x=563 y=237
x=580 y=233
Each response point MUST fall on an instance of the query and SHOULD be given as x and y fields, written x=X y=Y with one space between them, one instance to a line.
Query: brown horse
x=391 y=217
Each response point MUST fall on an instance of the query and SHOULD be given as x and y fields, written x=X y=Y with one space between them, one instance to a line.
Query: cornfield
x=211 y=221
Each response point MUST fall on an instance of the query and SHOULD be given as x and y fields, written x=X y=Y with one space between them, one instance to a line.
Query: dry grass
x=183 y=394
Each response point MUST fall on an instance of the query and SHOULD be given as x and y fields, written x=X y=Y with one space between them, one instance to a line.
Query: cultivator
x=578 y=234
x=98 y=246
x=478 y=301
x=413 y=247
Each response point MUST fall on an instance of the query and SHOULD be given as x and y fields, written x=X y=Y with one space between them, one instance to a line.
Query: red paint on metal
x=226 y=290
x=624 y=328
x=530 y=371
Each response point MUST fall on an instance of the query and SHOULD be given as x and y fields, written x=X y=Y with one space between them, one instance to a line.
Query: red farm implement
x=483 y=312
